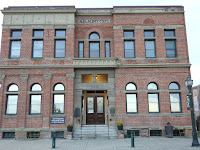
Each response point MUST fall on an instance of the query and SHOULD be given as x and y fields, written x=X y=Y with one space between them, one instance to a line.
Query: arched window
x=174 y=86
x=36 y=87
x=13 y=88
x=94 y=45
x=152 y=86
x=35 y=101
x=59 y=87
x=175 y=97
x=94 y=35
x=130 y=86
x=59 y=99
x=12 y=98
x=153 y=98
x=131 y=98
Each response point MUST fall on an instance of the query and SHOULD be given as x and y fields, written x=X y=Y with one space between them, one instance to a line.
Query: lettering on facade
x=60 y=120
x=93 y=21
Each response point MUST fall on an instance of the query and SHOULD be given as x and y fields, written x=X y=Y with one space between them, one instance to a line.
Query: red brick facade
x=140 y=70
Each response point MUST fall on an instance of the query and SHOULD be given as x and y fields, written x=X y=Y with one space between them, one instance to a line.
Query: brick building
x=92 y=67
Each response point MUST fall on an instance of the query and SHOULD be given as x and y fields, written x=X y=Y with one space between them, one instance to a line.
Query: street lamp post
x=195 y=142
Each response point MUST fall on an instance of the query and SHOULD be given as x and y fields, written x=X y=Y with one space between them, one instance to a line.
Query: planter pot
x=69 y=129
x=120 y=127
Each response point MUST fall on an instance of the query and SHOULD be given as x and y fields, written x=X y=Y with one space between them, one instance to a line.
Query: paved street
x=141 y=143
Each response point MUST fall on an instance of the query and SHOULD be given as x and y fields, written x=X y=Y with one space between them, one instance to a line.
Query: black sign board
x=60 y=120
x=77 y=112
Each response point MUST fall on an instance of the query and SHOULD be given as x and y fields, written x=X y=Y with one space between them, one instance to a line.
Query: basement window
x=33 y=135
x=8 y=134
x=136 y=133
x=59 y=134
x=155 y=132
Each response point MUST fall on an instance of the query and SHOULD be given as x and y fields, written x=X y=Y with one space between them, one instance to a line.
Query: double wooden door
x=95 y=110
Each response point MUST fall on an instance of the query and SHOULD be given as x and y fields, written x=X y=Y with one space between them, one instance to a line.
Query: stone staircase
x=95 y=132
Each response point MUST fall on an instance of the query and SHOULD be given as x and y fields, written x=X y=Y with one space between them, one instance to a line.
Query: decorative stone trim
x=47 y=75
x=70 y=75
x=70 y=26
x=24 y=76
x=2 y=76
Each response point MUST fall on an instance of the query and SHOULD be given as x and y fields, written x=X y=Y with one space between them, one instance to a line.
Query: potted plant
x=120 y=125
x=69 y=128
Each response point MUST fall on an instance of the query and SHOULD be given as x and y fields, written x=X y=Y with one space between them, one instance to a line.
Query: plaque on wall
x=77 y=112
x=58 y=120
x=112 y=111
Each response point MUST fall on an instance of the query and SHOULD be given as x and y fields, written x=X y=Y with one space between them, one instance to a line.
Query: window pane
x=37 y=48
x=35 y=104
x=148 y=33
x=131 y=102
x=102 y=78
x=35 y=99
x=13 y=88
x=12 y=104
x=15 y=49
x=16 y=33
x=128 y=34
x=107 y=49
x=170 y=48
x=58 y=103
x=38 y=33
x=94 y=36
x=81 y=49
x=152 y=86
x=175 y=102
x=86 y=78
x=60 y=33
x=129 y=49
x=36 y=87
x=59 y=87
x=60 y=48
x=94 y=49
x=153 y=103
x=130 y=86
x=173 y=86
x=170 y=33
x=150 y=48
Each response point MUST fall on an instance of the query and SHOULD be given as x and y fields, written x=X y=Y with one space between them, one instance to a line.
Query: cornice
x=101 y=65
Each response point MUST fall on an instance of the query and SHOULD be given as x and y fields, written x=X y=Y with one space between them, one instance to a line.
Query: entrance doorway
x=95 y=110
x=94 y=107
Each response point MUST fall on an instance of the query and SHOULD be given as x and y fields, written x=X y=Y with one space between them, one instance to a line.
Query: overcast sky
x=192 y=15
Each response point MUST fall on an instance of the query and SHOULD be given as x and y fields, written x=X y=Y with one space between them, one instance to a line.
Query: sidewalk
x=141 y=143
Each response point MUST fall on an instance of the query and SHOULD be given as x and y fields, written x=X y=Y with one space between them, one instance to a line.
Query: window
x=60 y=43
x=150 y=44
x=8 y=134
x=175 y=99
x=38 y=43
x=81 y=49
x=131 y=98
x=170 y=44
x=15 y=44
x=35 y=101
x=107 y=49
x=12 y=98
x=33 y=134
x=155 y=132
x=58 y=99
x=102 y=78
x=153 y=98
x=94 y=45
x=59 y=134
x=129 y=44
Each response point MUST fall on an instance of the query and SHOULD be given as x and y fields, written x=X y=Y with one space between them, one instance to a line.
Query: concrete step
x=95 y=132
